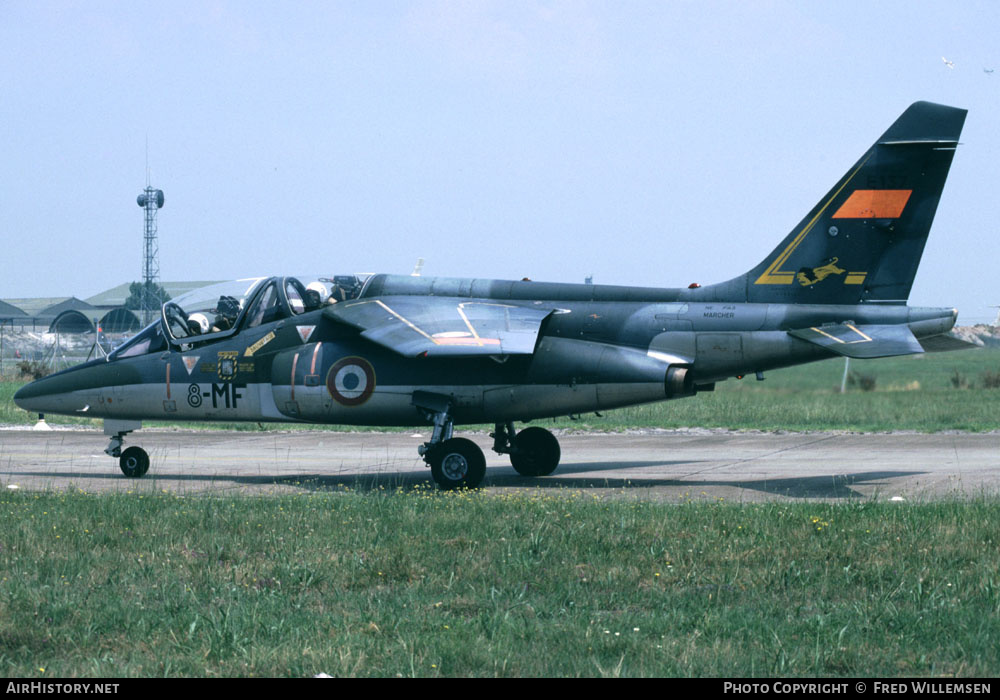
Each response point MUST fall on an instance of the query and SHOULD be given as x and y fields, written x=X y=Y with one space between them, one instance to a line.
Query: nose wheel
x=134 y=462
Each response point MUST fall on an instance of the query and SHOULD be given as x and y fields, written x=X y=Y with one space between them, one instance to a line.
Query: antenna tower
x=151 y=200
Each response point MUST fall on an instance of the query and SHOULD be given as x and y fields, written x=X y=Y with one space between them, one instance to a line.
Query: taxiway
x=665 y=465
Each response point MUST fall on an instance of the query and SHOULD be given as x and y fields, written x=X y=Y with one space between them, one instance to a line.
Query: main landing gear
x=533 y=451
x=454 y=462
x=458 y=462
x=133 y=461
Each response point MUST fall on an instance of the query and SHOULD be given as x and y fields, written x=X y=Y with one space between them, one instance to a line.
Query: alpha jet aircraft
x=404 y=350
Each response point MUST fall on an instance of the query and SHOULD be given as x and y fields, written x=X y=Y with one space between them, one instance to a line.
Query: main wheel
x=134 y=462
x=535 y=452
x=456 y=463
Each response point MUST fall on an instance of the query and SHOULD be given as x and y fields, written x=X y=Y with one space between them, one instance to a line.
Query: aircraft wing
x=862 y=341
x=443 y=326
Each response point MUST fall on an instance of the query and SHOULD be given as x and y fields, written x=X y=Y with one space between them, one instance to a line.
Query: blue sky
x=653 y=143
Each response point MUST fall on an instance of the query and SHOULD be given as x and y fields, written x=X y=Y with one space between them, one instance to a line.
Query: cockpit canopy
x=220 y=310
x=209 y=310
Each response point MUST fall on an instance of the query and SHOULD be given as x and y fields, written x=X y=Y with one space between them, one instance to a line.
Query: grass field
x=420 y=583
x=929 y=393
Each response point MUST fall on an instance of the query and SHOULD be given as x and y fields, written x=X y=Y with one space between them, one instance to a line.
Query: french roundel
x=351 y=381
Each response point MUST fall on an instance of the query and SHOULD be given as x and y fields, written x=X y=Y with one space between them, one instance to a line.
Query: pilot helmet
x=198 y=323
x=320 y=289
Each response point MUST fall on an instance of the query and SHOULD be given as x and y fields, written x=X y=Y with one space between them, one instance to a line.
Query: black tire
x=457 y=463
x=134 y=462
x=535 y=452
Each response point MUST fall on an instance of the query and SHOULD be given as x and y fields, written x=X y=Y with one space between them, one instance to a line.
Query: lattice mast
x=151 y=200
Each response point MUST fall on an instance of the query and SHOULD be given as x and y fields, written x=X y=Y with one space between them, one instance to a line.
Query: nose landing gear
x=133 y=461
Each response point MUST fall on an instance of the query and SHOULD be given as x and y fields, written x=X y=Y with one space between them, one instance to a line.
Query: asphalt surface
x=664 y=465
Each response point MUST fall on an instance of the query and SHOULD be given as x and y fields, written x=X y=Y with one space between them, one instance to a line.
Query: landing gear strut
x=533 y=451
x=454 y=462
x=133 y=461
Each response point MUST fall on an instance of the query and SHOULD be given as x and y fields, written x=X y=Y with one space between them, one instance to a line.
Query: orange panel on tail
x=874 y=204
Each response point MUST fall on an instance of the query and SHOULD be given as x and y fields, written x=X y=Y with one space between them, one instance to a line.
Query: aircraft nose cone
x=24 y=393
x=32 y=397
x=69 y=391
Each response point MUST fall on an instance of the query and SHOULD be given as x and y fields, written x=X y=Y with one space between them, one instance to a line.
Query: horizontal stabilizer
x=945 y=343
x=863 y=341
x=443 y=326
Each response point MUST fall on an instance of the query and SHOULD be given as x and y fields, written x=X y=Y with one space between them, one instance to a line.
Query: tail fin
x=863 y=241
